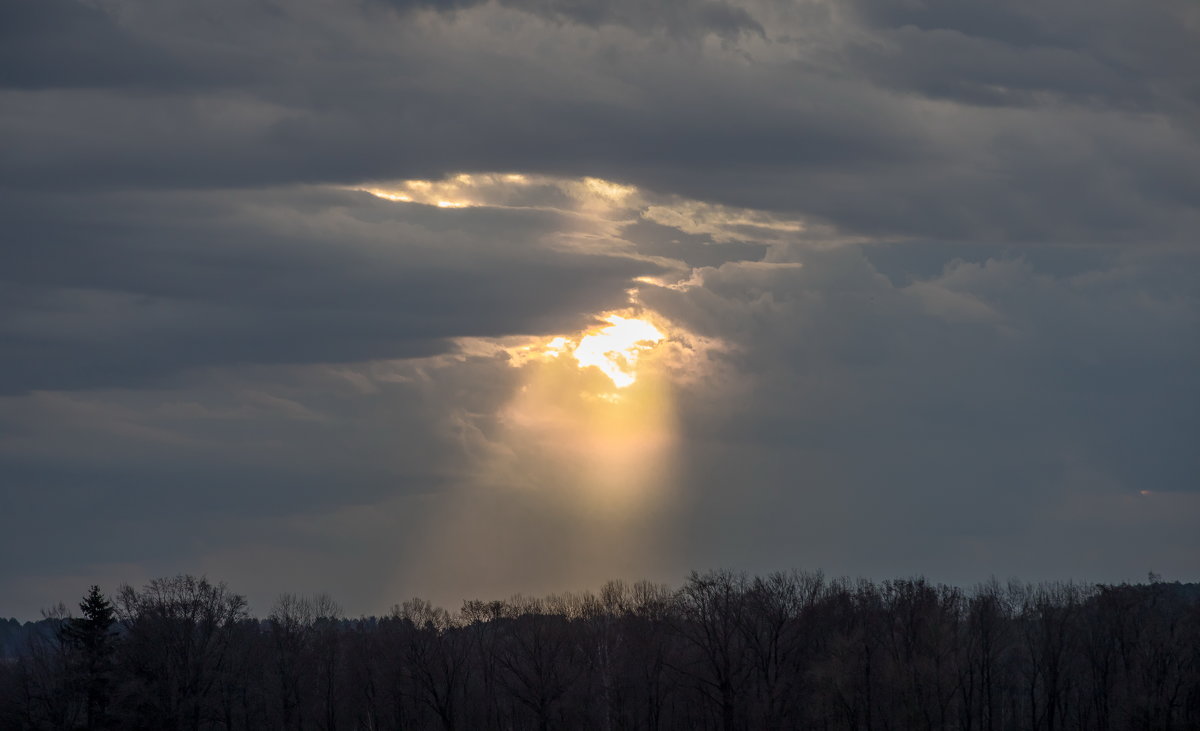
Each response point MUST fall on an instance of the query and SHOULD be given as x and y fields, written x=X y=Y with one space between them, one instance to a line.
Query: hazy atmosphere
x=456 y=299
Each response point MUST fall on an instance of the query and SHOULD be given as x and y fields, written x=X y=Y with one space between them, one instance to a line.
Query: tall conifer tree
x=93 y=637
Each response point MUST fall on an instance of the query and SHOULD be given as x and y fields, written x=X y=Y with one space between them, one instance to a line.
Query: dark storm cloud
x=65 y=43
x=985 y=415
x=1010 y=123
x=676 y=17
x=116 y=289
x=1101 y=53
x=246 y=442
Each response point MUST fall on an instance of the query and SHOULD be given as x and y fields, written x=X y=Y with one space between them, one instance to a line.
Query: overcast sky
x=927 y=270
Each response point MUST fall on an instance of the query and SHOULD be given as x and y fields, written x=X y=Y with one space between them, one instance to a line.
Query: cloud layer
x=945 y=257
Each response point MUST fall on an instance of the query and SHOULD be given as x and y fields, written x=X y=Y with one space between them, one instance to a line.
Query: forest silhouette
x=726 y=650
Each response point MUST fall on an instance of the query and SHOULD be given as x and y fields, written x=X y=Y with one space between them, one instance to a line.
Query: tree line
x=790 y=650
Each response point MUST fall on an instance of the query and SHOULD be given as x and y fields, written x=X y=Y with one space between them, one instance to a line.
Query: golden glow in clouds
x=596 y=413
x=615 y=349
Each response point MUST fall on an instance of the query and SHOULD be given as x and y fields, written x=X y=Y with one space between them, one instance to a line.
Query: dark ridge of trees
x=725 y=651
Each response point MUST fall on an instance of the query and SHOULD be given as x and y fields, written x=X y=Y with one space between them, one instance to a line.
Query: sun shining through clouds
x=596 y=411
x=614 y=349
x=578 y=466
x=594 y=418
x=606 y=205
x=581 y=450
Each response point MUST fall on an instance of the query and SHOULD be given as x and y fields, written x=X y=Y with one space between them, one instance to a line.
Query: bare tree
x=436 y=656
x=777 y=633
x=712 y=613
x=46 y=675
x=539 y=658
x=177 y=639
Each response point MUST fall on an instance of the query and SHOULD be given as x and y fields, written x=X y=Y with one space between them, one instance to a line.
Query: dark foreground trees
x=725 y=651
x=177 y=647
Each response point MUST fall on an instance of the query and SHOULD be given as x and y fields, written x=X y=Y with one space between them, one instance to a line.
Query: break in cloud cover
x=290 y=292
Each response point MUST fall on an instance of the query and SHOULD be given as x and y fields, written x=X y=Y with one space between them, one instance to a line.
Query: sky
x=457 y=299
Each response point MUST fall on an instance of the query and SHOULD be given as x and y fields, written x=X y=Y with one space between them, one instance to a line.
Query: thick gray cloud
x=1015 y=123
x=989 y=418
x=1107 y=52
x=115 y=289
x=944 y=254
x=64 y=43
x=675 y=17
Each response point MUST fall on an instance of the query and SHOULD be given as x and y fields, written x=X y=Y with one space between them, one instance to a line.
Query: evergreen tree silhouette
x=93 y=638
